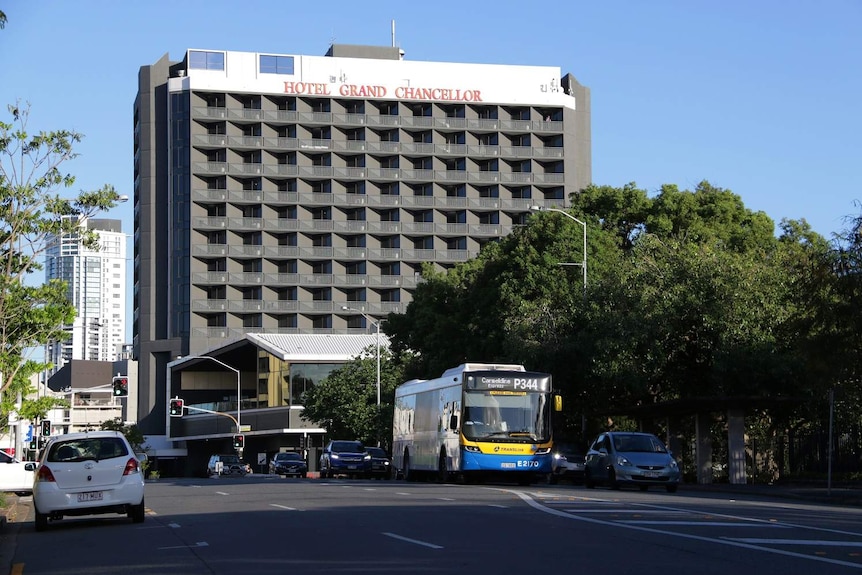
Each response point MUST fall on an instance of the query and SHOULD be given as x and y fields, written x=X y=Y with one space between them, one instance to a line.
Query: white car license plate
x=507 y=465
x=651 y=474
x=351 y=467
x=89 y=496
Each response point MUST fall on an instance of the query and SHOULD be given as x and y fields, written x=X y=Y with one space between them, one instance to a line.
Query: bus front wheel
x=442 y=471
x=408 y=475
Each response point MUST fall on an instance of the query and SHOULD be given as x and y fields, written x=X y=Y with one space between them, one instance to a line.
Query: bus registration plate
x=507 y=465
x=89 y=496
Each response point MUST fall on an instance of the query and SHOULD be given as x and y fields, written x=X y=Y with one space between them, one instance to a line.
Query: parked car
x=16 y=476
x=567 y=463
x=341 y=457
x=628 y=458
x=288 y=463
x=88 y=473
x=226 y=465
x=381 y=464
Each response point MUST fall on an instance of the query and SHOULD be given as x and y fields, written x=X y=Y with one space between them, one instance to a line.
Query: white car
x=88 y=474
x=16 y=476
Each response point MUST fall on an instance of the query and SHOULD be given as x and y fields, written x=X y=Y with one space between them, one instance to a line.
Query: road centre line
x=701 y=524
x=198 y=544
x=721 y=541
x=282 y=506
x=624 y=510
x=221 y=493
x=812 y=542
x=415 y=541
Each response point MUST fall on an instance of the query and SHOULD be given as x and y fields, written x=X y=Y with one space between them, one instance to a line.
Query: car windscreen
x=376 y=451
x=87 y=448
x=634 y=443
x=347 y=447
x=288 y=457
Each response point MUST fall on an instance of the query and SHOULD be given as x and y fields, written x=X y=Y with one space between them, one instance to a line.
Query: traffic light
x=120 y=383
x=238 y=441
x=46 y=427
x=176 y=407
x=34 y=444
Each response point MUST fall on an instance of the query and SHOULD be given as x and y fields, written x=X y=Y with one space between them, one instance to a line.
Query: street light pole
x=238 y=389
x=376 y=322
x=583 y=224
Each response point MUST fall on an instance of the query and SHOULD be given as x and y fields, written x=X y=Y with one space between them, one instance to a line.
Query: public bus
x=477 y=421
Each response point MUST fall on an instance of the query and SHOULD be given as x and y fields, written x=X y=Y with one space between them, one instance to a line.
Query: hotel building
x=272 y=191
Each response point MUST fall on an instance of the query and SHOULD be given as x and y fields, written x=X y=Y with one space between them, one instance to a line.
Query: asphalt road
x=268 y=525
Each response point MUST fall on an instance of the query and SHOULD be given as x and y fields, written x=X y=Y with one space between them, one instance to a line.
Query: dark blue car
x=342 y=457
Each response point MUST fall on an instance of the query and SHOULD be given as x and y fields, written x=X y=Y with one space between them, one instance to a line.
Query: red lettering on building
x=362 y=91
x=441 y=94
x=309 y=88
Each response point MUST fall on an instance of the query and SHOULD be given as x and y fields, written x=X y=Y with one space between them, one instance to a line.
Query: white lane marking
x=763 y=521
x=722 y=541
x=498 y=506
x=282 y=506
x=629 y=511
x=813 y=542
x=401 y=493
x=415 y=541
x=370 y=489
x=174 y=525
x=700 y=523
x=445 y=499
x=198 y=544
x=221 y=493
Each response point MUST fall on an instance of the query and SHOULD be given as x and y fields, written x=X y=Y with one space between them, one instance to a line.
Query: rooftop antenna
x=393 y=34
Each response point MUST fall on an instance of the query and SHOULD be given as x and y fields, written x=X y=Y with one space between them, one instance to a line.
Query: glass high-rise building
x=96 y=284
x=274 y=190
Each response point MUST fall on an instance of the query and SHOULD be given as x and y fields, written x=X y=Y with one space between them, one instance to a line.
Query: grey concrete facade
x=270 y=212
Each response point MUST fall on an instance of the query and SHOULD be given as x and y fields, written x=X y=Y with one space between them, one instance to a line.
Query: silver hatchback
x=629 y=458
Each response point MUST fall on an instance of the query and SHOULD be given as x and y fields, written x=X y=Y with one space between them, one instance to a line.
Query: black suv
x=342 y=457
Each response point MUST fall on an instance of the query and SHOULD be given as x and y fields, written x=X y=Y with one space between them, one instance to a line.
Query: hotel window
x=321 y=268
x=286 y=293
x=321 y=294
x=355 y=268
x=200 y=60
x=276 y=65
x=389 y=215
x=390 y=269
x=390 y=242
x=390 y=295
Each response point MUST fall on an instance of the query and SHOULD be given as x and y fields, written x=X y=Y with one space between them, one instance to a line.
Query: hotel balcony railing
x=346 y=280
x=360 y=146
x=375 y=120
x=344 y=199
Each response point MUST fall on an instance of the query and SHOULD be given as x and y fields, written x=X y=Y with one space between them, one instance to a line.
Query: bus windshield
x=513 y=417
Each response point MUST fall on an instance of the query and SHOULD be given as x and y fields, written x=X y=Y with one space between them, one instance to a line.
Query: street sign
x=244 y=428
x=261 y=458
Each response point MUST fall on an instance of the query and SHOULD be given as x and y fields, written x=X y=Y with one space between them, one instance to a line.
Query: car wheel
x=612 y=479
x=588 y=480
x=643 y=487
x=136 y=512
x=671 y=488
x=304 y=475
x=41 y=520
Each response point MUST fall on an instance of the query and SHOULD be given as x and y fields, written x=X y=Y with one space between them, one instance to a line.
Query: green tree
x=131 y=431
x=32 y=212
x=345 y=403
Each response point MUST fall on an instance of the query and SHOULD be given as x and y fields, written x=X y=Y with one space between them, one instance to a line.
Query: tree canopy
x=35 y=208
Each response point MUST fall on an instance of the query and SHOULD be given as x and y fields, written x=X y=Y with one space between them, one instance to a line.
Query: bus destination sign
x=508 y=381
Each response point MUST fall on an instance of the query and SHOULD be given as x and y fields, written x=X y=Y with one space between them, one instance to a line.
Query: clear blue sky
x=759 y=97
